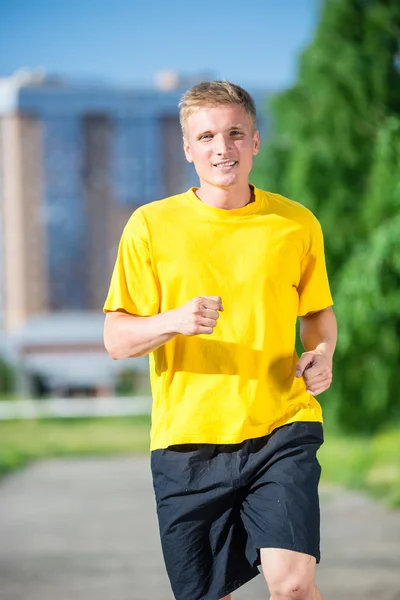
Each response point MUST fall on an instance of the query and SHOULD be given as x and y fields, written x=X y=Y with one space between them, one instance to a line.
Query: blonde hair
x=215 y=93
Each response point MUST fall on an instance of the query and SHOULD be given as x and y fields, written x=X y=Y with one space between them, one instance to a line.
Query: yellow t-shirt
x=266 y=261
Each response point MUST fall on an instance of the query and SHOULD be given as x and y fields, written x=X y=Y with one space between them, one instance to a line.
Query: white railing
x=74 y=407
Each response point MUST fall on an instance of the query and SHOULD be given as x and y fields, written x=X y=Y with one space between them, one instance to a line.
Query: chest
x=249 y=255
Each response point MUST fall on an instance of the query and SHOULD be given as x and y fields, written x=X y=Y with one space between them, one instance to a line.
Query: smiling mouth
x=224 y=166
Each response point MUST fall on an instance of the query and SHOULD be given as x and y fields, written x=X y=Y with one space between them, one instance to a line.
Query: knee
x=292 y=588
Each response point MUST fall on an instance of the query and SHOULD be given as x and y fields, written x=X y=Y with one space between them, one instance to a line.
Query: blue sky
x=126 y=42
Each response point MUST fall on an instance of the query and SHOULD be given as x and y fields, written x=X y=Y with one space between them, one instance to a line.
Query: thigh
x=281 y=505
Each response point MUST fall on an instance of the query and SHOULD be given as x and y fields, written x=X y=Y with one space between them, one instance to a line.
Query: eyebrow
x=238 y=126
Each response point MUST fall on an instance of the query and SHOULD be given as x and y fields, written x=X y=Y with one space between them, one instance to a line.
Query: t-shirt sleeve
x=314 y=291
x=133 y=286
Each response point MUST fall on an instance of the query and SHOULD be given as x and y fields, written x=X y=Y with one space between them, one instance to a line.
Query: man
x=210 y=284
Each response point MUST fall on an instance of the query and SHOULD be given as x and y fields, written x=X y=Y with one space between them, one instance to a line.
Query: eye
x=205 y=137
x=236 y=132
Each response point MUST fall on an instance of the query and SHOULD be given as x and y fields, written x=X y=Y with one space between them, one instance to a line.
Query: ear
x=256 y=143
x=187 y=151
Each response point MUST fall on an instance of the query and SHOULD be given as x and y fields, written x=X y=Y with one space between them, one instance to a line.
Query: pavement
x=86 y=529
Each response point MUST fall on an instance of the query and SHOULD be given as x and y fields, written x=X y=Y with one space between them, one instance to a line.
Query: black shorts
x=217 y=505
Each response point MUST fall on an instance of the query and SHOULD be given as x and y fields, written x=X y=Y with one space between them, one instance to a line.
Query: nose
x=221 y=144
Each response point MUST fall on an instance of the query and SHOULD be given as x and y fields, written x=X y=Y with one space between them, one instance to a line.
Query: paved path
x=86 y=530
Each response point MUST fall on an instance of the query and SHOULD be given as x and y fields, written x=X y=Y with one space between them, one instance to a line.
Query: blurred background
x=89 y=131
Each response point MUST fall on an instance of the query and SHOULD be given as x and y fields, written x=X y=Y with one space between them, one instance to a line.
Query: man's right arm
x=127 y=335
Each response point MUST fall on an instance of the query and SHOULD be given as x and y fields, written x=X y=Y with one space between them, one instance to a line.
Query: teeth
x=227 y=164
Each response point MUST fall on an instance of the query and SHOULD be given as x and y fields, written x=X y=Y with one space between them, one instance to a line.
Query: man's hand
x=316 y=368
x=199 y=315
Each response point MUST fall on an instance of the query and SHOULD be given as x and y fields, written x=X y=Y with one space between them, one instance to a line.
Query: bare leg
x=230 y=598
x=289 y=575
x=317 y=595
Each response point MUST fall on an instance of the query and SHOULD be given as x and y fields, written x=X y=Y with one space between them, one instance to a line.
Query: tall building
x=75 y=162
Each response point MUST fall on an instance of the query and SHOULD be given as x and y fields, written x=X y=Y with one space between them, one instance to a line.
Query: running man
x=210 y=283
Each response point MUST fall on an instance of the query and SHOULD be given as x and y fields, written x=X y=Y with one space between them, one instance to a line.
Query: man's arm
x=128 y=335
x=318 y=333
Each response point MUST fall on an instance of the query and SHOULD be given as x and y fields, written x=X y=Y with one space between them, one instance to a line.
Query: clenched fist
x=199 y=315
x=316 y=369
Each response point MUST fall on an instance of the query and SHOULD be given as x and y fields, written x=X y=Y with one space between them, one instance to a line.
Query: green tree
x=368 y=301
x=336 y=149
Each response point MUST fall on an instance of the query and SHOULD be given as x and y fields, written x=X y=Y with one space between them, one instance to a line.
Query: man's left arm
x=318 y=333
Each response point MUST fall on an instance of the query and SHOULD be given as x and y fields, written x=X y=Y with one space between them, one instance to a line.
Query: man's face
x=221 y=143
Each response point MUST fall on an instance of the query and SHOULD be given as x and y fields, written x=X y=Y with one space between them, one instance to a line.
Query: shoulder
x=296 y=217
x=152 y=215
x=291 y=209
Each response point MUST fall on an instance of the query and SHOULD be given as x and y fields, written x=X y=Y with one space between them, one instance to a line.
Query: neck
x=225 y=198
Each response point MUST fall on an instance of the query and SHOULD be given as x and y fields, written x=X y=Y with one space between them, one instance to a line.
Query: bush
x=7 y=378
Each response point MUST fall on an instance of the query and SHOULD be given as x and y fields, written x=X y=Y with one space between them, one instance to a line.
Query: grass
x=21 y=441
x=371 y=463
